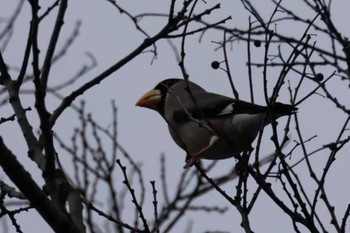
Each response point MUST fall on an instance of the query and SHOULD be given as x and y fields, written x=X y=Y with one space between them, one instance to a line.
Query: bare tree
x=301 y=62
x=69 y=200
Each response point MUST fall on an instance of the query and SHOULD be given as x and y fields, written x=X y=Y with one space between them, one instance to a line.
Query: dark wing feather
x=211 y=105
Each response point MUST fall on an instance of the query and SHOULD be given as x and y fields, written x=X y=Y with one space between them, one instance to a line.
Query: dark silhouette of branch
x=52 y=214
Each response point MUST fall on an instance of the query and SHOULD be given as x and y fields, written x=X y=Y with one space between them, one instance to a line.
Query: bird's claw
x=191 y=161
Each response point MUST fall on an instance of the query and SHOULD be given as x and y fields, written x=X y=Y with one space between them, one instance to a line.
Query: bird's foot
x=193 y=158
x=191 y=161
x=242 y=164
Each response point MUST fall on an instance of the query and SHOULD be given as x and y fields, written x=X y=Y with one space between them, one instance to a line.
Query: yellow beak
x=150 y=99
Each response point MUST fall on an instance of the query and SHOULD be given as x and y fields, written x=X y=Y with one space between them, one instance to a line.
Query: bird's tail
x=282 y=109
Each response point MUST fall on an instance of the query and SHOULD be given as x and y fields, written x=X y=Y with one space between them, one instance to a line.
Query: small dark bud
x=257 y=43
x=319 y=77
x=215 y=65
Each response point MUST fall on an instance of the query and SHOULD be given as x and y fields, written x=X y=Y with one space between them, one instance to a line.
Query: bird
x=208 y=125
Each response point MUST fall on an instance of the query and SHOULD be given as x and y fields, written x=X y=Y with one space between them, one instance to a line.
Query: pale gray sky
x=109 y=36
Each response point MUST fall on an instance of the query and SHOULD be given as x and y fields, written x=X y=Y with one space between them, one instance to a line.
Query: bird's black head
x=164 y=87
x=155 y=98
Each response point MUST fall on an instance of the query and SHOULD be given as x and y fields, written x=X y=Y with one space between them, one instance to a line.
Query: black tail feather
x=283 y=109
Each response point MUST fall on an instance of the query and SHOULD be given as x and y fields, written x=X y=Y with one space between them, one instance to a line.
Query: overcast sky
x=109 y=36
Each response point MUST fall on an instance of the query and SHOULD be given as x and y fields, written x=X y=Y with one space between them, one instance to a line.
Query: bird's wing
x=211 y=105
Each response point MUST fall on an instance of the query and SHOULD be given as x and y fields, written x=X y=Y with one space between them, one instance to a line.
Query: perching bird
x=208 y=125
